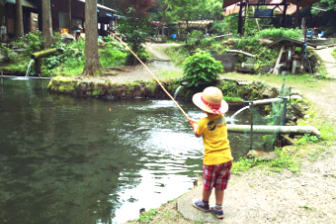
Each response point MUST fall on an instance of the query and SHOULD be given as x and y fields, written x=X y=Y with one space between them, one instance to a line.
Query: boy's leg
x=219 y=196
x=220 y=186
x=206 y=195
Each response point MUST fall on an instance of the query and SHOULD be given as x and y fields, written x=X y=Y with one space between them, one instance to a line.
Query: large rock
x=271 y=92
x=297 y=110
x=262 y=155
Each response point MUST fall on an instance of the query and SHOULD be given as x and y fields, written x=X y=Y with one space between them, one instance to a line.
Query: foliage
x=334 y=53
x=113 y=54
x=284 y=161
x=147 y=216
x=136 y=31
x=277 y=33
x=34 y=42
x=232 y=99
x=186 y=10
x=7 y=53
x=201 y=68
x=307 y=139
x=177 y=54
x=230 y=23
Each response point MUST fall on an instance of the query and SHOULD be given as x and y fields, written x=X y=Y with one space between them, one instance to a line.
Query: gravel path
x=329 y=61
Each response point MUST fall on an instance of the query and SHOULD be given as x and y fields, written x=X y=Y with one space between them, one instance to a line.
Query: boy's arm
x=194 y=125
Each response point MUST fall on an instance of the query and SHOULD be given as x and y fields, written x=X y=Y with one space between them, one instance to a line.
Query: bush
x=201 y=68
x=277 y=33
x=113 y=54
x=34 y=42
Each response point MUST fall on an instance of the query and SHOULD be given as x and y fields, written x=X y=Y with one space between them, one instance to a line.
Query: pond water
x=66 y=159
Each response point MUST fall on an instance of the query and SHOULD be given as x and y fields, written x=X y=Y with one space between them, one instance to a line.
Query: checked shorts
x=216 y=176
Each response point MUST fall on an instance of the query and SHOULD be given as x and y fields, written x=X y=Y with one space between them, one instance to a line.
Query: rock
x=264 y=42
x=262 y=155
x=290 y=117
x=299 y=111
x=271 y=92
x=287 y=140
x=229 y=42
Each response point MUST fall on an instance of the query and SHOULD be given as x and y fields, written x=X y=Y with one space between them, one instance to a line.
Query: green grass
x=232 y=99
x=284 y=161
x=178 y=54
x=147 y=216
x=334 y=53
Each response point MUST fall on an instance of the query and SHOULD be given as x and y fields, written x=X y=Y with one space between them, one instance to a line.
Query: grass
x=232 y=99
x=333 y=53
x=178 y=54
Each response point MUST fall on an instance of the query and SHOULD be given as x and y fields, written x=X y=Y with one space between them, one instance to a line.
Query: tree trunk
x=70 y=16
x=47 y=27
x=92 y=64
x=164 y=20
x=187 y=31
x=19 y=19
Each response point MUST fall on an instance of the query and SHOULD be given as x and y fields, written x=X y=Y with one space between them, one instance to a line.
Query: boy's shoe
x=199 y=204
x=218 y=213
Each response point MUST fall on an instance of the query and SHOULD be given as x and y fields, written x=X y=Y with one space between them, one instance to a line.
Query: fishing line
x=164 y=89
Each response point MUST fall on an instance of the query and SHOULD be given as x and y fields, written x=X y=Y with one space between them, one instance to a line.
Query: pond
x=66 y=159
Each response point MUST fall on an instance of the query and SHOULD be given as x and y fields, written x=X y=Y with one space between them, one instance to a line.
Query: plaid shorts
x=216 y=176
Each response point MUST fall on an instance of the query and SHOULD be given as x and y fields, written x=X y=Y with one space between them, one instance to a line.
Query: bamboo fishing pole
x=164 y=89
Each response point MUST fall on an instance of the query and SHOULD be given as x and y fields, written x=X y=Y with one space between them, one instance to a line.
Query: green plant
x=201 y=68
x=6 y=52
x=277 y=33
x=333 y=53
x=147 y=216
x=232 y=99
x=34 y=42
x=306 y=139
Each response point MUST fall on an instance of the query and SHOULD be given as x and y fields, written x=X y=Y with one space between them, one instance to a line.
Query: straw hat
x=211 y=101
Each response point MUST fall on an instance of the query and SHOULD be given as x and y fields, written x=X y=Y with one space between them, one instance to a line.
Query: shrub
x=201 y=68
x=112 y=55
x=34 y=42
x=277 y=33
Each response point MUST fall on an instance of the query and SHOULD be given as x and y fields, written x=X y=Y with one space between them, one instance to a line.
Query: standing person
x=217 y=161
x=78 y=32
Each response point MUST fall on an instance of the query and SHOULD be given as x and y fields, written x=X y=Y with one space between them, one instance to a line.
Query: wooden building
x=64 y=16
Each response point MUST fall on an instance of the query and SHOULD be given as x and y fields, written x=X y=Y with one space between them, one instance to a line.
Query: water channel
x=66 y=159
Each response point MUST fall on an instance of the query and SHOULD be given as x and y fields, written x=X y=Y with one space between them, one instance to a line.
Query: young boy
x=217 y=159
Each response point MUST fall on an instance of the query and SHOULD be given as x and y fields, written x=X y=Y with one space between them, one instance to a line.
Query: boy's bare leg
x=206 y=195
x=219 y=196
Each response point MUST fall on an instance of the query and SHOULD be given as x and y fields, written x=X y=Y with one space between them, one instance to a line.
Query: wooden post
x=240 y=21
x=278 y=60
x=284 y=16
x=297 y=15
x=70 y=23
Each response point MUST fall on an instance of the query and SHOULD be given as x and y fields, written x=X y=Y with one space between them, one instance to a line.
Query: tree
x=19 y=19
x=136 y=27
x=92 y=64
x=47 y=26
x=185 y=9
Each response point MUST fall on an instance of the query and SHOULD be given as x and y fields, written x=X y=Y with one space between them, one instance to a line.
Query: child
x=217 y=159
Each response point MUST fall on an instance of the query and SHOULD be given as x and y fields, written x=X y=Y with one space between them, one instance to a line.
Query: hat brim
x=199 y=103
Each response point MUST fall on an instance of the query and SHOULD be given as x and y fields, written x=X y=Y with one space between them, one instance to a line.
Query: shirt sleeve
x=200 y=128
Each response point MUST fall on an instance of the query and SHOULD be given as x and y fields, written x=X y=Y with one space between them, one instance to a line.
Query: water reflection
x=71 y=160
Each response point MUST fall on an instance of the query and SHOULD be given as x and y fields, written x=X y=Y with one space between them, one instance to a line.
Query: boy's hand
x=192 y=122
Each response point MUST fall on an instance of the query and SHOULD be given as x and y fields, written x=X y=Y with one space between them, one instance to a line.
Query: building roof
x=99 y=6
x=289 y=41
x=194 y=24
x=303 y=3
x=25 y=3
x=291 y=9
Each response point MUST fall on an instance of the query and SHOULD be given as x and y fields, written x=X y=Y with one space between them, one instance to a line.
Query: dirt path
x=329 y=61
x=157 y=50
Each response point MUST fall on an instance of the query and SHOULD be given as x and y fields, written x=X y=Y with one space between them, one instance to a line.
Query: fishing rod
x=164 y=89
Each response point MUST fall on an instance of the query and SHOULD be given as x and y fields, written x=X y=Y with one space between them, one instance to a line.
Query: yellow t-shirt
x=216 y=144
